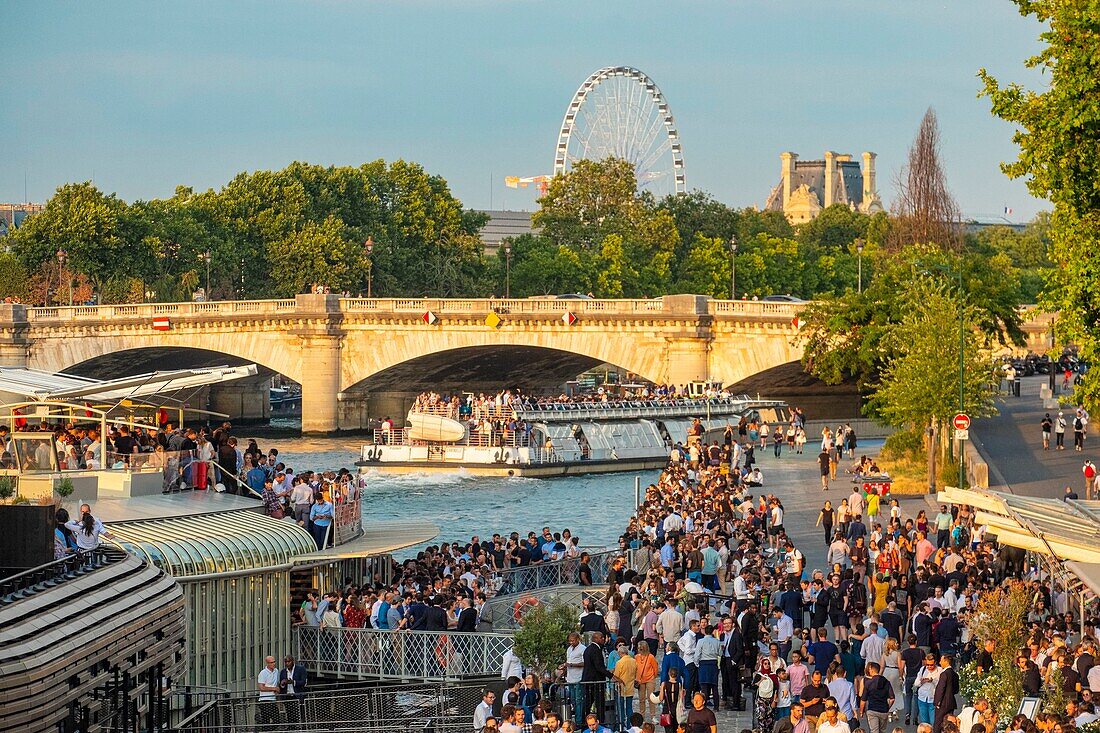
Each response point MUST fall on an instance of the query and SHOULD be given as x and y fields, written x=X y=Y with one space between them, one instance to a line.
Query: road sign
x=961 y=421
x=569 y=318
x=962 y=434
x=429 y=318
x=162 y=323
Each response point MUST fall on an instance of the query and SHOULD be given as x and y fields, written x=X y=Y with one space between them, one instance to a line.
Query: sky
x=141 y=97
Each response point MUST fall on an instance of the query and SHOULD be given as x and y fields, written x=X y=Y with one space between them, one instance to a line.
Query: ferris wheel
x=619 y=111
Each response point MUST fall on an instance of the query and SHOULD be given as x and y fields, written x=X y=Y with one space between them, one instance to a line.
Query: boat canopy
x=214 y=543
x=49 y=386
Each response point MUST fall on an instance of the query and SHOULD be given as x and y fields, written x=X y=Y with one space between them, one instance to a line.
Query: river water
x=596 y=508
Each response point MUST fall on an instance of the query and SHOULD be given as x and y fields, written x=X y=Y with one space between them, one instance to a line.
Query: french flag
x=1008 y=211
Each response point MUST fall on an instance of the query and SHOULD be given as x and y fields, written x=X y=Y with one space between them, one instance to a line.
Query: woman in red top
x=354 y=615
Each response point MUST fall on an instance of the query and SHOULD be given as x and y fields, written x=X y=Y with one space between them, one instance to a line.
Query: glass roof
x=214 y=543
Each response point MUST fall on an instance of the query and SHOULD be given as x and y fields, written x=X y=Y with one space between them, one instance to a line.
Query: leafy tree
x=315 y=254
x=1058 y=132
x=919 y=385
x=706 y=268
x=543 y=635
x=90 y=226
x=13 y=277
x=540 y=267
x=845 y=336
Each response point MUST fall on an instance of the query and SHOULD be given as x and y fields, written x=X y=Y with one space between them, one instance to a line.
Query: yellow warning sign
x=492 y=320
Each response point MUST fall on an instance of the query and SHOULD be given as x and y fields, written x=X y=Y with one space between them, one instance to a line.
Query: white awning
x=48 y=386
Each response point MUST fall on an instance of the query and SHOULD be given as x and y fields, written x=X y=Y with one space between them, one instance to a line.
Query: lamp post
x=369 y=246
x=733 y=267
x=507 y=270
x=859 y=265
x=205 y=257
x=62 y=256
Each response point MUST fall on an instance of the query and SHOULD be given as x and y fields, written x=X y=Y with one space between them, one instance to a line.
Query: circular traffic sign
x=961 y=421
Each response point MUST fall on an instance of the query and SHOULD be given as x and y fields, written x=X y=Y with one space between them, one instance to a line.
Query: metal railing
x=394 y=708
x=29 y=582
x=402 y=655
x=149 y=310
x=508 y=611
x=627 y=409
x=559 y=572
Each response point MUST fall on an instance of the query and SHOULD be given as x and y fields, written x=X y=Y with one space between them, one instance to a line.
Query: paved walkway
x=1012 y=444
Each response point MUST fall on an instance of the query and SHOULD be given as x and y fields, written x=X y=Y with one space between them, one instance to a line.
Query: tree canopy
x=1058 y=132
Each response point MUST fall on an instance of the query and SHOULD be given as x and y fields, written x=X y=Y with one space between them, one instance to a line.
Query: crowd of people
x=727 y=611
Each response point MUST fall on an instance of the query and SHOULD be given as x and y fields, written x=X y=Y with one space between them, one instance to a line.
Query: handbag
x=666 y=720
x=276 y=513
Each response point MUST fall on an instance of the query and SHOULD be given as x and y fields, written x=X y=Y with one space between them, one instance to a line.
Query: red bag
x=666 y=720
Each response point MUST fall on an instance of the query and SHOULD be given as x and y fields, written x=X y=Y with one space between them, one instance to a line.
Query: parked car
x=782 y=299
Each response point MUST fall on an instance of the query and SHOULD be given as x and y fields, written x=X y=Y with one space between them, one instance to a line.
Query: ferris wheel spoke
x=656 y=154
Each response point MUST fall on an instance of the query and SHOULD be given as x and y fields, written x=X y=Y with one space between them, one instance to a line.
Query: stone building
x=808 y=186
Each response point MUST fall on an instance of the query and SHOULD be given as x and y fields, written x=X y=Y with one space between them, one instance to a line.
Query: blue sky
x=145 y=96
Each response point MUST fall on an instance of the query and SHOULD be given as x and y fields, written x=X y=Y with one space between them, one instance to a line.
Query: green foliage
x=1058 y=132
x=1054 y=697
x=13 y=277
x=64 y=488
x=999 y=616
x=919 y=383
x=541 y=640
x=904 y=444
x=846 y=336
x=7 y=487
x=268 y=234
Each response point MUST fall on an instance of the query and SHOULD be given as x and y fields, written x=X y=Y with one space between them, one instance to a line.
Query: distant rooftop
x=502 y=225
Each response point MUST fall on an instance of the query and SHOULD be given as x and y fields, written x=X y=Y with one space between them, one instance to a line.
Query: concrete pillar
x=830 y=179
x=321 y=338
x=787 y=169
x=362 y=411
x=245 y=404
x=686 y=360
x=868 y=176
x=13 y=334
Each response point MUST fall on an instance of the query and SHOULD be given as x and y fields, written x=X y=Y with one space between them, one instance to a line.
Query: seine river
x=595 y=508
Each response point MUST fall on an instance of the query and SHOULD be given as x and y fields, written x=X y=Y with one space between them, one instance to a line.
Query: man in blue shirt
x=822 y=652
x=320 y=517
x=255 y=479
x=384 y=612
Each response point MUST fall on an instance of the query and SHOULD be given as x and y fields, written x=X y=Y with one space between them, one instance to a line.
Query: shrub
x=543 y=635
x=7 y=487
x=904 y=445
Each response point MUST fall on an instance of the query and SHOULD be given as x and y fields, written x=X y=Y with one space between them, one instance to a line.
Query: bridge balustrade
x=405 y=655
x=149 y=310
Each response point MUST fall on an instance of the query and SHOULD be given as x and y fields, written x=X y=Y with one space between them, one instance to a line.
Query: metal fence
x=508 y=612
x=560 y=572
x=401 y=655
x=439 y=707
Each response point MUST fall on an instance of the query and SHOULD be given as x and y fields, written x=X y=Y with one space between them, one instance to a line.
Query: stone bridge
x=357 y=358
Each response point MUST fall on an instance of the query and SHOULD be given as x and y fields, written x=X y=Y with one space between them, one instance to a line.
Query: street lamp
x=507 y=270
x=205 y=257
x=859 y=260
x=62 y=256
x=369 y=246
x=733 y=267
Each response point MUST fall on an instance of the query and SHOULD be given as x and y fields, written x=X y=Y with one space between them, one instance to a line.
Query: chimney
x=788 y=159
x=830 y=178
x=868 y=176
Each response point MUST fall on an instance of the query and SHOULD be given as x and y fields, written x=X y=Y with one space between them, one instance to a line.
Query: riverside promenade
x=1011 y=443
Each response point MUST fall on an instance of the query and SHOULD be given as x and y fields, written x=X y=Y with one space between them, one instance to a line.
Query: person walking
x=947 y=687
x=670 y=697
x=1060 y=431
x=823 y=467
x=825 y=519
x=645 y=678
x=1088 y=470
x=1046 y=424
x=1079 y=431
x=876 y=699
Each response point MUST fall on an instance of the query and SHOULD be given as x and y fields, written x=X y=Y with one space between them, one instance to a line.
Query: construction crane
x=542 y=183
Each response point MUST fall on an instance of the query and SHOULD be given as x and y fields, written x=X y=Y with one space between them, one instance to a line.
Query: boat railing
x=628 y=409
x=473 y=439
x=400 y=654
x=463 y=412
x=560 y=572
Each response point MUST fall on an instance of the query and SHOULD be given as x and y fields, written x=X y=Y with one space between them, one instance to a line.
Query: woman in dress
x=843 y=517
x=881 y=587
x=669 y=697
x=767 y=685
x=825 y=519
x=922 y=522
x=892 y=673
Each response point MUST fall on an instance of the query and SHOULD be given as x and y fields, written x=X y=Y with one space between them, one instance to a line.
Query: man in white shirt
x=855 y=503
x=674 y=523
x=267 y=682
x=484 y=710
x=574 y=669
x=511 y=666
x=670 y=624
x=871 y=648
x=687 y=644
x=972 y=714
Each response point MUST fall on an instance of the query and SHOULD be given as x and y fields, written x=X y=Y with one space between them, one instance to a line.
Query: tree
x=999 y=616
x=1058 y=132
x=924 y=210
x=315 y=254
x=541 y=639
x=13 y=277
x=919 y=385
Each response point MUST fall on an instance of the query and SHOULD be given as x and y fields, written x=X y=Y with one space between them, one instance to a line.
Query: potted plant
x=7 y=488
x=64 y=489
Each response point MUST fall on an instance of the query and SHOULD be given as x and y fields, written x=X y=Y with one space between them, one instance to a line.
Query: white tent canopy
x=43 y=386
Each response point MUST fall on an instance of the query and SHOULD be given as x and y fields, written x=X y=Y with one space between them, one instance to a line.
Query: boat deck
x=163 y=506
x=378 y=539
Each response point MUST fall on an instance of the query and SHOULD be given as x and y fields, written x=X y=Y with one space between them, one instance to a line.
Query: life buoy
x=443 y=650
x=521 y=604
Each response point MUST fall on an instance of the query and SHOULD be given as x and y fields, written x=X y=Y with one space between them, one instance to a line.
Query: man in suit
x=733 y=655
x=947 y=688
x=467 y=617
x=434 y=618
x=293 y=680
x=484 y=614
x=594 y=675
